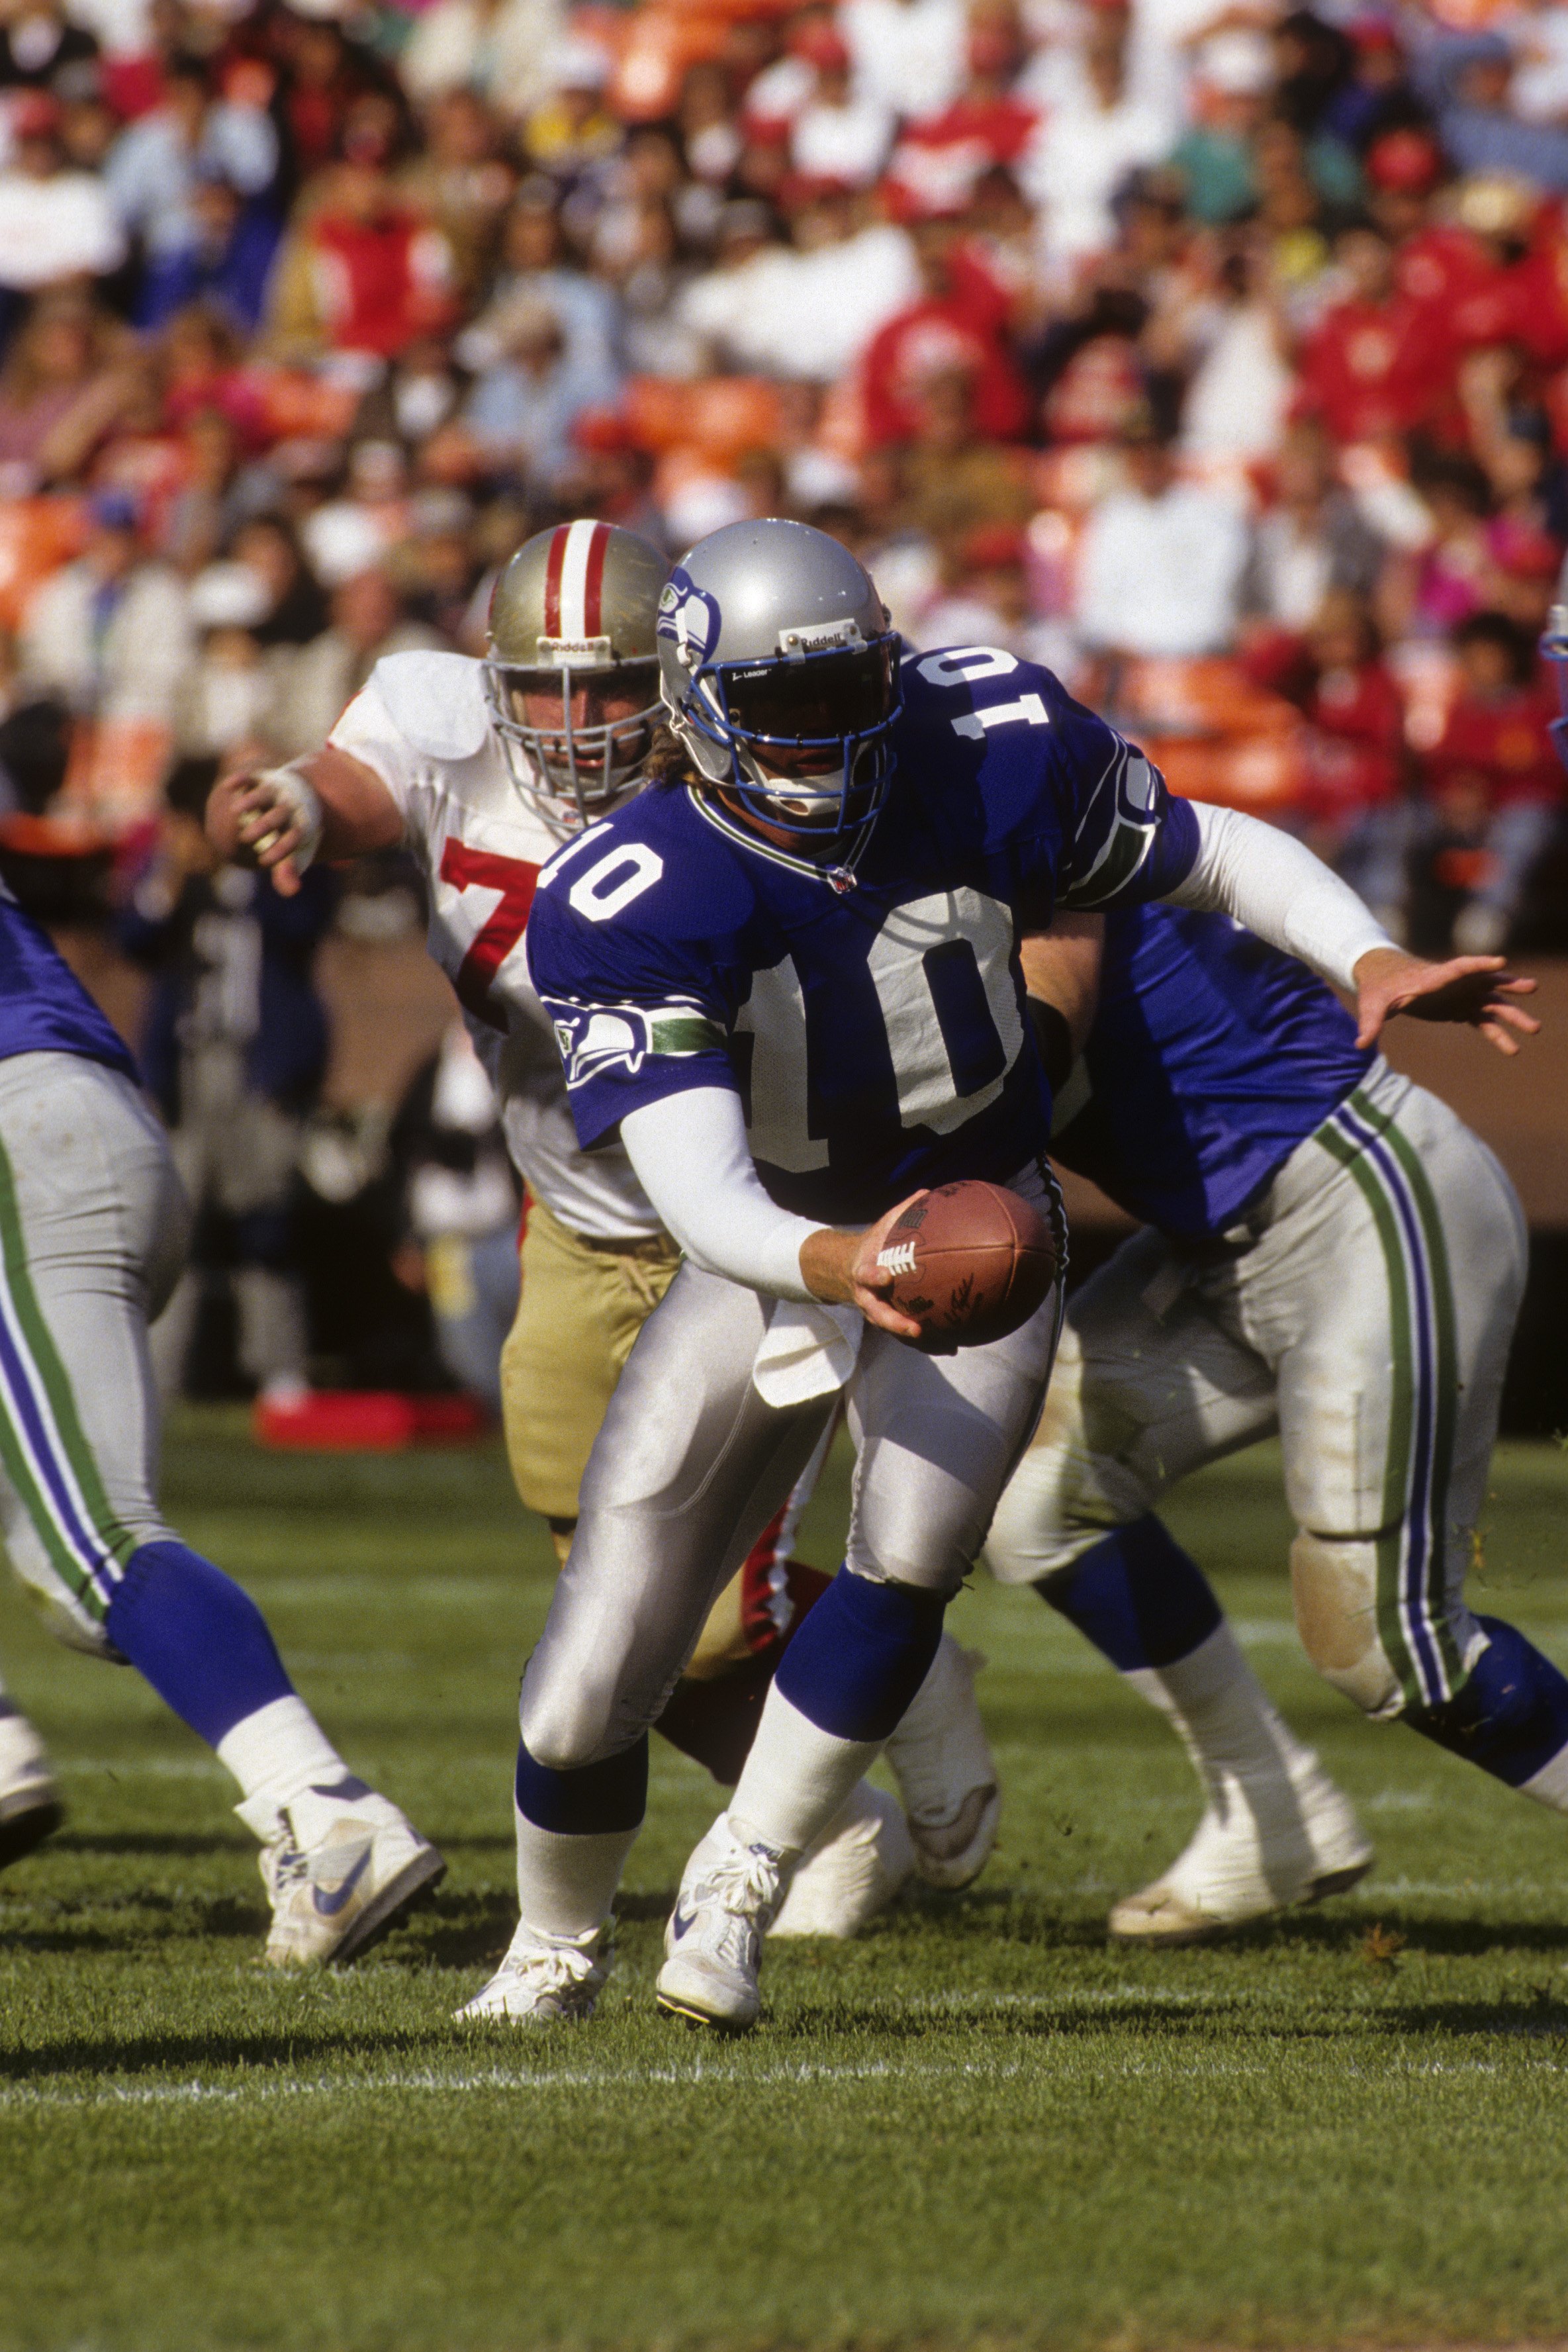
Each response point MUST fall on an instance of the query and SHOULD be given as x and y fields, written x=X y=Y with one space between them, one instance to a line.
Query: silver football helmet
x=779 y=670
x=573 y=613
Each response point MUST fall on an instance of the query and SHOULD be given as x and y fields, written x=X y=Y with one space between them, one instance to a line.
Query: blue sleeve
x=1129 y=839
x=1091 y=820
x=639 y=1008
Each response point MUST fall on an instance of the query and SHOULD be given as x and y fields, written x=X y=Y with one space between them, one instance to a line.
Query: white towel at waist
x=807 y=1352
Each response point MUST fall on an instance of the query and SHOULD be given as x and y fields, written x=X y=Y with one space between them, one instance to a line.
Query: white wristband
x=306 y=802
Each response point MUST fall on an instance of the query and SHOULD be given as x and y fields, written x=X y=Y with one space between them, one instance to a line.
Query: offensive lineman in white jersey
x=482 y=770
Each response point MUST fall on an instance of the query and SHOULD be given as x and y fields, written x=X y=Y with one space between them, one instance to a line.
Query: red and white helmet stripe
x=574 y=580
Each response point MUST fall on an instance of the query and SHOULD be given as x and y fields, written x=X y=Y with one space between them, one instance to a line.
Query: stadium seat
x=36 y=536
x=1216 y=736
x=719 y=418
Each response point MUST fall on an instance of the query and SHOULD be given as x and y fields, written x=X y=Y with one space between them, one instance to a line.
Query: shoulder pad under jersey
x=436 y=701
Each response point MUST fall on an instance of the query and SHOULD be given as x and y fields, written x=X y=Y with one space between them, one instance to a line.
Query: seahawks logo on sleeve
x=595 y=1039
x=1120 y=820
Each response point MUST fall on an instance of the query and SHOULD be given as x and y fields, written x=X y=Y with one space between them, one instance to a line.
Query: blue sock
x=609 y=1795
x=861 y=1655
x=1511 y=1716
x=199 y=1640
x=1136 y=1596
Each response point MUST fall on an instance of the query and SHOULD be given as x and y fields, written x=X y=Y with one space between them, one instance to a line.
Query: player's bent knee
x=1333 y=1587
x=565 y=1729
x=1036 y=1530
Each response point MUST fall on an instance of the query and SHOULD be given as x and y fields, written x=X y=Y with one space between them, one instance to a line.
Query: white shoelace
x=744 y=1885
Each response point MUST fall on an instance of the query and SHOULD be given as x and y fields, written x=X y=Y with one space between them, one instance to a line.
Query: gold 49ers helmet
x=572 y=622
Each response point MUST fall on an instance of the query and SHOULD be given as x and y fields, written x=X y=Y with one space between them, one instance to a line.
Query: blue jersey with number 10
x=876 y=1034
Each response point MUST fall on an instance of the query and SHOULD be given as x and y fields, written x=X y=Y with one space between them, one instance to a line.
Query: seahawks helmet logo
x=688 y=619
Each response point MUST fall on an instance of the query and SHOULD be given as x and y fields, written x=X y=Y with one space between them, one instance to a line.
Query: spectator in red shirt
x=1494 y=786
x=1379 y=362
x=940 y=160
x=1457 y=270
x=364 y=272
x=1352 y=805
x=956 y=327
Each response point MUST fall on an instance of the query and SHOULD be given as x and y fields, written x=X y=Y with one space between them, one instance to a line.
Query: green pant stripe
x=1446 y=1403
x=117 y=1539
x=62 y=1558
x=1390 y=1541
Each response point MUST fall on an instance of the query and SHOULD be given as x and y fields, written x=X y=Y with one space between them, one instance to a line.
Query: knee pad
x=1333 y=1587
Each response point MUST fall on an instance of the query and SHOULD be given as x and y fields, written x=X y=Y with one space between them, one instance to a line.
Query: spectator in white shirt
x=1161 y=562
x=838 y=137
x=54 y=224
x=804 y=313
x=908 y=55
x=111 y=634
x=1089 y=142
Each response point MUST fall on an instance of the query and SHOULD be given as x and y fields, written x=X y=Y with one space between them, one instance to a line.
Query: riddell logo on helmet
x=817 y=636
x=576 y=653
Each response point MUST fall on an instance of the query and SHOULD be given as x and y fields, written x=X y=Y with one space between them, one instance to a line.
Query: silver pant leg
x=686 y=1471
x=94 y=1225
x=937 y=1438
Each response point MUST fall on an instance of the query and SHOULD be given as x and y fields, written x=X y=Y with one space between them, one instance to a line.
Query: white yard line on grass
x=1191 y=2065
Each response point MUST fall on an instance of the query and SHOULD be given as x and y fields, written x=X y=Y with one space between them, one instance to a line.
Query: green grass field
x=980 y=2125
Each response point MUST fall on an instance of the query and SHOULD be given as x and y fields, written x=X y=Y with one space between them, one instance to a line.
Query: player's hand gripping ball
x=970 y=1263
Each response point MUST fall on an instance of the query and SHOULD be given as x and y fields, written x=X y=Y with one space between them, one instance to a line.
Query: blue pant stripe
x=27 y=1399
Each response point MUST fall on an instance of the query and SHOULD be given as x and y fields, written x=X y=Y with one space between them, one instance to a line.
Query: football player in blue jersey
x=93 y=1225
x=788 y=981
x=1329 y=1253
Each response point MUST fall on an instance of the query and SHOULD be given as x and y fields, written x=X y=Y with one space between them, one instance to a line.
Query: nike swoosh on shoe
x=329 y=1904
x=681 y=1922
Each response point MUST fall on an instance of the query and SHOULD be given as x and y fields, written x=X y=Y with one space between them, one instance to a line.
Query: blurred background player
x=484 y=768
x=93 y=1225
x=1329 y=1253
x=460 y=1205
x=235 y=1049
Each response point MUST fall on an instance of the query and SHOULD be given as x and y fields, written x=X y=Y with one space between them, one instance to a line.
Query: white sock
x=795 y=1778
x=23 y=1758
x=1550 y=1785
x=276 y=1755
x=566 y=1885
x=939 y=1751
x=1224 y=1719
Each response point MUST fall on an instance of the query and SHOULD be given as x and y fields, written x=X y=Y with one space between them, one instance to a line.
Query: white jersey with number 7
x=421 y=724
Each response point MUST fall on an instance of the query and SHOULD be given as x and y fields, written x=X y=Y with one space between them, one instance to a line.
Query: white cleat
x=713 y=1942
x=1260 y=1848
x=851 y=1871
x=30 y=1806
x=339 y=1866
x=543 y=1981
x=946 y=1775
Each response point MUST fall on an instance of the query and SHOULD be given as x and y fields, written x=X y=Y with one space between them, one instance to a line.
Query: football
x=970 y=1263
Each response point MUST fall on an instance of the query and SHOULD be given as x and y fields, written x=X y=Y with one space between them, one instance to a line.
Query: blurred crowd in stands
x=1214 y=353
